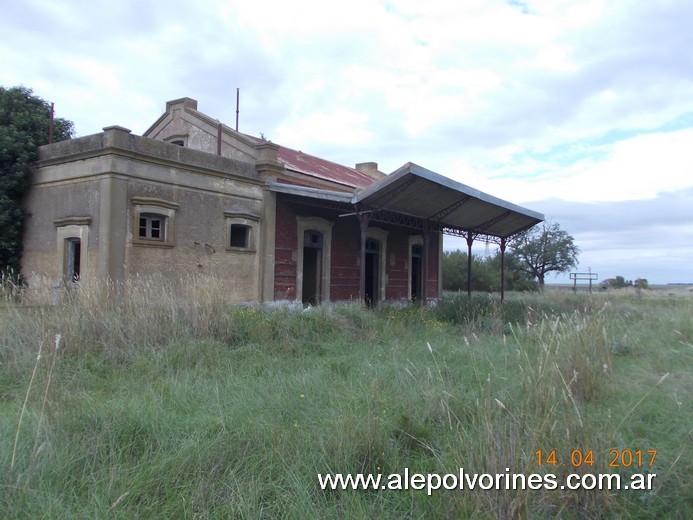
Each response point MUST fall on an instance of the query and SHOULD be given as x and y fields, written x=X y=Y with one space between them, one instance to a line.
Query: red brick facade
x=345 y=255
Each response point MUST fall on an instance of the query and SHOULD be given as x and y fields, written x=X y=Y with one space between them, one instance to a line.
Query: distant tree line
x=620 y=282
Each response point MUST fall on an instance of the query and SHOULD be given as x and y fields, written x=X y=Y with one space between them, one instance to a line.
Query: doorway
x=73 y=260
x=312 y=267
x=416 y=273
x=372 y=271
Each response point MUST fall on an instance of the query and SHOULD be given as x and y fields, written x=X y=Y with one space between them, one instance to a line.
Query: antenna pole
x=237 y=105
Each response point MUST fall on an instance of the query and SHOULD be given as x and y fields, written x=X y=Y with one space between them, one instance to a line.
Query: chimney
x=370 y=169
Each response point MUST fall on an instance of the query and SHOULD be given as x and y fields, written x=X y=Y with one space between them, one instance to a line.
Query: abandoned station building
x=267 y=222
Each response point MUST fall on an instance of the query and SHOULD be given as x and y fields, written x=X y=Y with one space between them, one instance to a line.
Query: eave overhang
x=416 y=197
x=455 y=207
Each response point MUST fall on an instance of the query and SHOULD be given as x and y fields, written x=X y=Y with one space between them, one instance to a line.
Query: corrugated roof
x=421 y=193
x=312 y=166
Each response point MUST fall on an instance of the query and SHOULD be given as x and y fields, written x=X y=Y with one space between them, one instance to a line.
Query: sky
x=581 y=110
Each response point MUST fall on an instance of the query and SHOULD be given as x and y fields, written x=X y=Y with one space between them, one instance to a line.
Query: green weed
x=166 y=408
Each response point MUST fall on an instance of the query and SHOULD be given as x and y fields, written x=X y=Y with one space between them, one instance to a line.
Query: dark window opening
x=73 y=251
x=151 y=227
x=240 y=235
x=178 y=142
x=312 y=239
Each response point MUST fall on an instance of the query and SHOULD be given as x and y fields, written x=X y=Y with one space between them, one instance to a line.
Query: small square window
x=151 y=227
x=240 y=235
x=153 y=221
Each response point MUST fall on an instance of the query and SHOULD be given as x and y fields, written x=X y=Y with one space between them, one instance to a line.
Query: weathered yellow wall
x=98 y=177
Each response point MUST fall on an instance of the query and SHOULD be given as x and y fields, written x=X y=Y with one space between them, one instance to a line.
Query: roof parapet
x=267 y=157
x=185 y=101
x=116 y=136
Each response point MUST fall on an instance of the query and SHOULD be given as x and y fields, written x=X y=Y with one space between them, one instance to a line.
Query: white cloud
x=636 y=168
x=343 y=126
x=525 y=99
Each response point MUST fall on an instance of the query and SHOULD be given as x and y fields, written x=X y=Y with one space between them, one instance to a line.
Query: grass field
x=156 y=408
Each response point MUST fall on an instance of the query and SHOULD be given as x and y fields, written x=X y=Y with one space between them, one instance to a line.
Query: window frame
x=250 y=222
x=69 y=230
x=149 y=220
x=415 y=240
x=178 y=140
x=151 y=208
x=323 y=226
x=380 y=236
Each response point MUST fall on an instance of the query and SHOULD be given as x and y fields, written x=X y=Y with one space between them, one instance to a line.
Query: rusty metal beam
x=446 y=211
x=495 y=220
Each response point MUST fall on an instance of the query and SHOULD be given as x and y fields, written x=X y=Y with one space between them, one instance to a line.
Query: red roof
x=312 y=166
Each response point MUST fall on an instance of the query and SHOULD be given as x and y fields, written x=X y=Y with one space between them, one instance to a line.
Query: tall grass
x=158 y=406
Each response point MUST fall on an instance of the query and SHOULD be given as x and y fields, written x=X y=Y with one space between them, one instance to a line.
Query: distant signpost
x=583 y=277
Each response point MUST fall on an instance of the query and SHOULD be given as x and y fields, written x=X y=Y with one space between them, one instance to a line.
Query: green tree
x=485 y=273
x=544 y=249
x=24 y=126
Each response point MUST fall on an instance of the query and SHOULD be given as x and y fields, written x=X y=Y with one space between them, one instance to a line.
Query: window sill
x=152 y=243
x=240 y=249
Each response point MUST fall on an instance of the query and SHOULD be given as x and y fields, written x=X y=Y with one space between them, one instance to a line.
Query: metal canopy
x=415 y=196
x=456 y=207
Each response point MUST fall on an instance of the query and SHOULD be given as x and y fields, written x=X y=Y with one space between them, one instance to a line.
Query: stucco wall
x=182 y=121
x=200 y=240
x=44 y=205
x=98 y=179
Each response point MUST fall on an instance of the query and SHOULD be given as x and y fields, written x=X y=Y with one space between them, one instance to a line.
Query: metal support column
x=363 y=223
x=424 y=265
x=502 y=273
x=470 y=241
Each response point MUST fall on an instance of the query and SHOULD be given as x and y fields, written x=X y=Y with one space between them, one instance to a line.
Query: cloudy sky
x=581 y=110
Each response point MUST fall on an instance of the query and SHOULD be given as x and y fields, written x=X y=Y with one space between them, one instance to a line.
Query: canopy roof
x=431 y=199
x=416 y=191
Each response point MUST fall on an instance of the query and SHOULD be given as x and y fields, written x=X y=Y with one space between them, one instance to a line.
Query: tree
x=485 y=273
x=24 y=126
x=544 y=249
